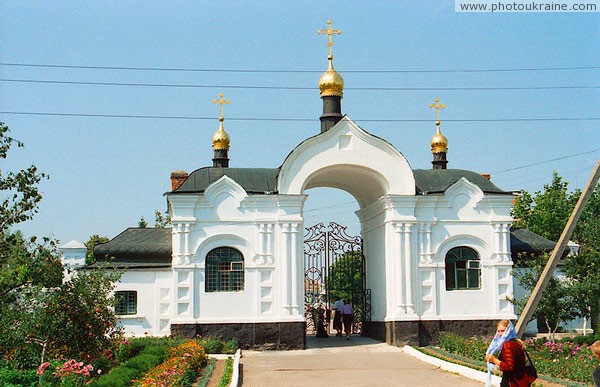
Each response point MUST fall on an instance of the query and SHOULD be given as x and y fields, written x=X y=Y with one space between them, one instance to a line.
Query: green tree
x=345 y=280
x=161 y=220
x=142 y=223
x=557 y=304
x=546 y=213
x=40 y=315
x=19 y=190
x=584 y=268
x=90 y=244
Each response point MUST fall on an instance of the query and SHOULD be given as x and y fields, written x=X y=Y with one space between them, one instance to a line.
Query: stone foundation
x=291 y=335
x=423 y=333
x=256 y=336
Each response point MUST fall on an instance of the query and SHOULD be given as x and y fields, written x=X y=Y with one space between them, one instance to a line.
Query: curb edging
x=451 y=367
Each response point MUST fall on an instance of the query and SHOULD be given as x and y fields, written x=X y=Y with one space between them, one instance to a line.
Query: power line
x=546 y=161
x=183 y=69
x=290 y=119
x=197 y=86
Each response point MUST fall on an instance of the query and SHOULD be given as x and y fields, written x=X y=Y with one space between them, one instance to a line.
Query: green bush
x=587 y=339
x=231 y=346
x=213 y=345
x=12 y=377
x=143 y=362
x=150 y=353
x=118 y=377
x=473 y=348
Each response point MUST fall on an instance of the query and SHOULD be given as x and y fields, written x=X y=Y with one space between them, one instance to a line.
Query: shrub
x=231 y=346
x=213 y=345
x=12 y=377
x=150 y=352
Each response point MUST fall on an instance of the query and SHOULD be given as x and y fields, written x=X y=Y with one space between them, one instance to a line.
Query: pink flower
x=43 y=367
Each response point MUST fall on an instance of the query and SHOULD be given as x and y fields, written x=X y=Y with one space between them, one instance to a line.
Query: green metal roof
x=253 y=180
x=263 y=180
x=137 y=247
x=439 y=180
x=525 y=244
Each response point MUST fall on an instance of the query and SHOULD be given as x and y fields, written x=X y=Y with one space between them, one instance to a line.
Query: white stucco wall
x=153 y=287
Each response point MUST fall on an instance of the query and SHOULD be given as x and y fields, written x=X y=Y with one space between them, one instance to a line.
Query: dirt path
x=215 y=378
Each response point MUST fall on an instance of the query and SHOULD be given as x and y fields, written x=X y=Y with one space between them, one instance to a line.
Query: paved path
x=337 y=362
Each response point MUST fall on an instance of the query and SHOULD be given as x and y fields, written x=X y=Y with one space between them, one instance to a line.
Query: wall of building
x=154 y=294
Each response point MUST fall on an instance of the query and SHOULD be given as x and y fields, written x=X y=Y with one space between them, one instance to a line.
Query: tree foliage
x=90 y=244
x=546 y=213
x=19 y=192
x=41 y=314
x=345 y=280
x=161 y=220
x=557 y=304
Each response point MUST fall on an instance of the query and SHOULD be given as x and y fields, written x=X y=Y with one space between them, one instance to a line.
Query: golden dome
x=439 y=143
x=221 y=138
x=331 y=82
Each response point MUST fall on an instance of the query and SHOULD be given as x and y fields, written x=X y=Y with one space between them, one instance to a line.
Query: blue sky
x=106 y=173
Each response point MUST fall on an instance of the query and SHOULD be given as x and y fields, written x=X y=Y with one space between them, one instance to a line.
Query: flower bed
x=564 y=360
x=181 y=369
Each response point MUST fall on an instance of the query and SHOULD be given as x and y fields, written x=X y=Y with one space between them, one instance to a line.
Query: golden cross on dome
x=221 y=102
x=437 y=106
x=329 y=31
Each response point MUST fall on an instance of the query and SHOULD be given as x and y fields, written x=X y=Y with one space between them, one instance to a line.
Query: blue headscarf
x=496 y=345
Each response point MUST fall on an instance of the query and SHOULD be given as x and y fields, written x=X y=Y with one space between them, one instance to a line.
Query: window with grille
x=126 y=302
x=224 y=270
x=463 y=270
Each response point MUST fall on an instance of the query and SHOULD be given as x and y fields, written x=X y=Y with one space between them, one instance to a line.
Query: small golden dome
x=331 y=82
x=439 y=143
x=221 y=138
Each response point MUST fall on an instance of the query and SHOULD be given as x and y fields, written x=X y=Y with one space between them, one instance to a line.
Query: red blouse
x=512 y=364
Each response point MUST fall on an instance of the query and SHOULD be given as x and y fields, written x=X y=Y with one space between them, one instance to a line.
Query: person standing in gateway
x=347 y=318
x=337 y=315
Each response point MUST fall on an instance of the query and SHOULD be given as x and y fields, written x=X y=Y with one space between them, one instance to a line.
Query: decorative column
x=186 y=243
x=177 y=242
x=294 y=271
x=285 y=267
x=260 y=250
x=270 y=243
x=398 y=269
x=407 y=229
x=425 y=243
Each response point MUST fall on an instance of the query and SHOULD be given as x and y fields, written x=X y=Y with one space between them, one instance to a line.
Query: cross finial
x=437 y=106
x=221 y=102
x=330 y=32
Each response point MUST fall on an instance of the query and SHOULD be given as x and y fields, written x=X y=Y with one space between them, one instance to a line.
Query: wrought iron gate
x=334 y=266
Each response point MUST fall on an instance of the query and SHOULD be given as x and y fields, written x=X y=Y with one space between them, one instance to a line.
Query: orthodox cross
x=437 y=106
x=329 y=31
x=221 y=102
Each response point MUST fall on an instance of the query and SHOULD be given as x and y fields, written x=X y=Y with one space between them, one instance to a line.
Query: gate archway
x=334 y=265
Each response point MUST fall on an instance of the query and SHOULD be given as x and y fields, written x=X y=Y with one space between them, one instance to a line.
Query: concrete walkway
x=337 y=362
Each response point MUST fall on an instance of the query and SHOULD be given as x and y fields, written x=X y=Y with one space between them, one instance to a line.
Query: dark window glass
x=224 y=270
x=126 y=302
x=462 y=269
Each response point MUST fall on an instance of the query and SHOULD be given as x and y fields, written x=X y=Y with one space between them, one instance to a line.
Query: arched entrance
x=334 y=265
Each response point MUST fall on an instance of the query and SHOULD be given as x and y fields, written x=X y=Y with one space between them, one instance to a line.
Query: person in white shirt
x=347 y=318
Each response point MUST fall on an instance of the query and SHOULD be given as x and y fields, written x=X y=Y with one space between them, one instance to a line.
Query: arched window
x=463 y=270
x=224 y=270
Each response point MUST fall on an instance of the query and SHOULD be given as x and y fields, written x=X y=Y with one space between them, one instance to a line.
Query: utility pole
x=536 y=295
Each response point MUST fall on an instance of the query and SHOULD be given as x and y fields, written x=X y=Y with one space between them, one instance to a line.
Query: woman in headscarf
x=511 y=360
